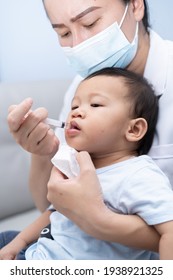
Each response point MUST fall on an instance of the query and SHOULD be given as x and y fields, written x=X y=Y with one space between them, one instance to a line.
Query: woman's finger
x=85 y=162
x=17 y=114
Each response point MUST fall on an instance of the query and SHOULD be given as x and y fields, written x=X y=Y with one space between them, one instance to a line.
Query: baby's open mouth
x=74 y=125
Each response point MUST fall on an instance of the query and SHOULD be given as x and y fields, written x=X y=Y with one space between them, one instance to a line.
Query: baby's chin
x=77 y=147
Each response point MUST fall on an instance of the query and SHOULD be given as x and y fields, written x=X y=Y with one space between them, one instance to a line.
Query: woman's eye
x=91 y=24
x=65 y=35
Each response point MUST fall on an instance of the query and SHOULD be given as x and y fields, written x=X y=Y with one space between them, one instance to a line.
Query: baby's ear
x=136 y=130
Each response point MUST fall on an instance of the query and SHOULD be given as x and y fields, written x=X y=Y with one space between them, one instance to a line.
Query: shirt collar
x=157 y=61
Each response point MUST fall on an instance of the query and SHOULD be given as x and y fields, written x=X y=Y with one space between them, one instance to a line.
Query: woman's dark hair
x=144 y=102
x=145 y=19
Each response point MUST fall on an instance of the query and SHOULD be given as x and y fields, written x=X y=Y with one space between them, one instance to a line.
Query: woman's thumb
x=85 y=161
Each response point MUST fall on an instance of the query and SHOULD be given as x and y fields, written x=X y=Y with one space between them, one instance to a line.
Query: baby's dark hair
x=143 y=99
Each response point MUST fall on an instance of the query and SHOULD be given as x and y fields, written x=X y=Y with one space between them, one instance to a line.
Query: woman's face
x=77 y=20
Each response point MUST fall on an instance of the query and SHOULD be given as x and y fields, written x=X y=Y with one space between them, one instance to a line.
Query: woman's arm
x=25 y=237
x=30 y=131
x=129 y=230
x=80 y=199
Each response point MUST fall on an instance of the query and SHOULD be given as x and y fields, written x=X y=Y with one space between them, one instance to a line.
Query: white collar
x=157 y=61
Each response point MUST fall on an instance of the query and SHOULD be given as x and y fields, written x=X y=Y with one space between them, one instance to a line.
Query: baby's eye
x=74 y=107
x=96 y=105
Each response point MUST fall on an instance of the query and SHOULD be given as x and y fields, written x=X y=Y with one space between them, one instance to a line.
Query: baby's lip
x=74 y=125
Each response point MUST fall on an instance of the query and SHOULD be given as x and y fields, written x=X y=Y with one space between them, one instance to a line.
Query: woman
x=118 y=35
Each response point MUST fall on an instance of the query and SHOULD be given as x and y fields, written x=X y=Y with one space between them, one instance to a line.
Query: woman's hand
x=30 y=131
x=78 y=197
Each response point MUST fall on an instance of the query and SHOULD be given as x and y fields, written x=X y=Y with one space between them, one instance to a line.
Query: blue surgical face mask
x=108 y=48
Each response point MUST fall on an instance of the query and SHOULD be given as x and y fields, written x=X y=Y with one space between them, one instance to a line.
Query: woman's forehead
x=75 y=7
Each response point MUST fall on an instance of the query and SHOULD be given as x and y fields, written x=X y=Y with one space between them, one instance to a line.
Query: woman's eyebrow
x=77 y=17
x=82 y=14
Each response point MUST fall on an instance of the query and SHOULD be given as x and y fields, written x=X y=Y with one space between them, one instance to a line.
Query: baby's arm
x=166 y=240
x=25 y=237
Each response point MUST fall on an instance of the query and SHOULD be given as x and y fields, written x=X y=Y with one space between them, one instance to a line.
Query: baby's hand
x=7 y=253
x=11 y=250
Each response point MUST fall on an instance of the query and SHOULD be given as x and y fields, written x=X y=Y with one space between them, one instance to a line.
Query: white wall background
x=29 y=48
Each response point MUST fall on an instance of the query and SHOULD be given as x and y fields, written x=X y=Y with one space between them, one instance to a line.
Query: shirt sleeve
x=148 y=194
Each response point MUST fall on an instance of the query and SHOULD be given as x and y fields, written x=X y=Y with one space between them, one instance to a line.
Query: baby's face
x=99 y=116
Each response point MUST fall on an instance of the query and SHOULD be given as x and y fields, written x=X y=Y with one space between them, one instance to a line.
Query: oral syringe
x=56 y=123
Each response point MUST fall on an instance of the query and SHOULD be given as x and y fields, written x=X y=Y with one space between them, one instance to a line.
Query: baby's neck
x=100 y=161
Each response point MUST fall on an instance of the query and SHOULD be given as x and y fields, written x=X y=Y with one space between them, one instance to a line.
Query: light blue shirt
x=135 y=186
